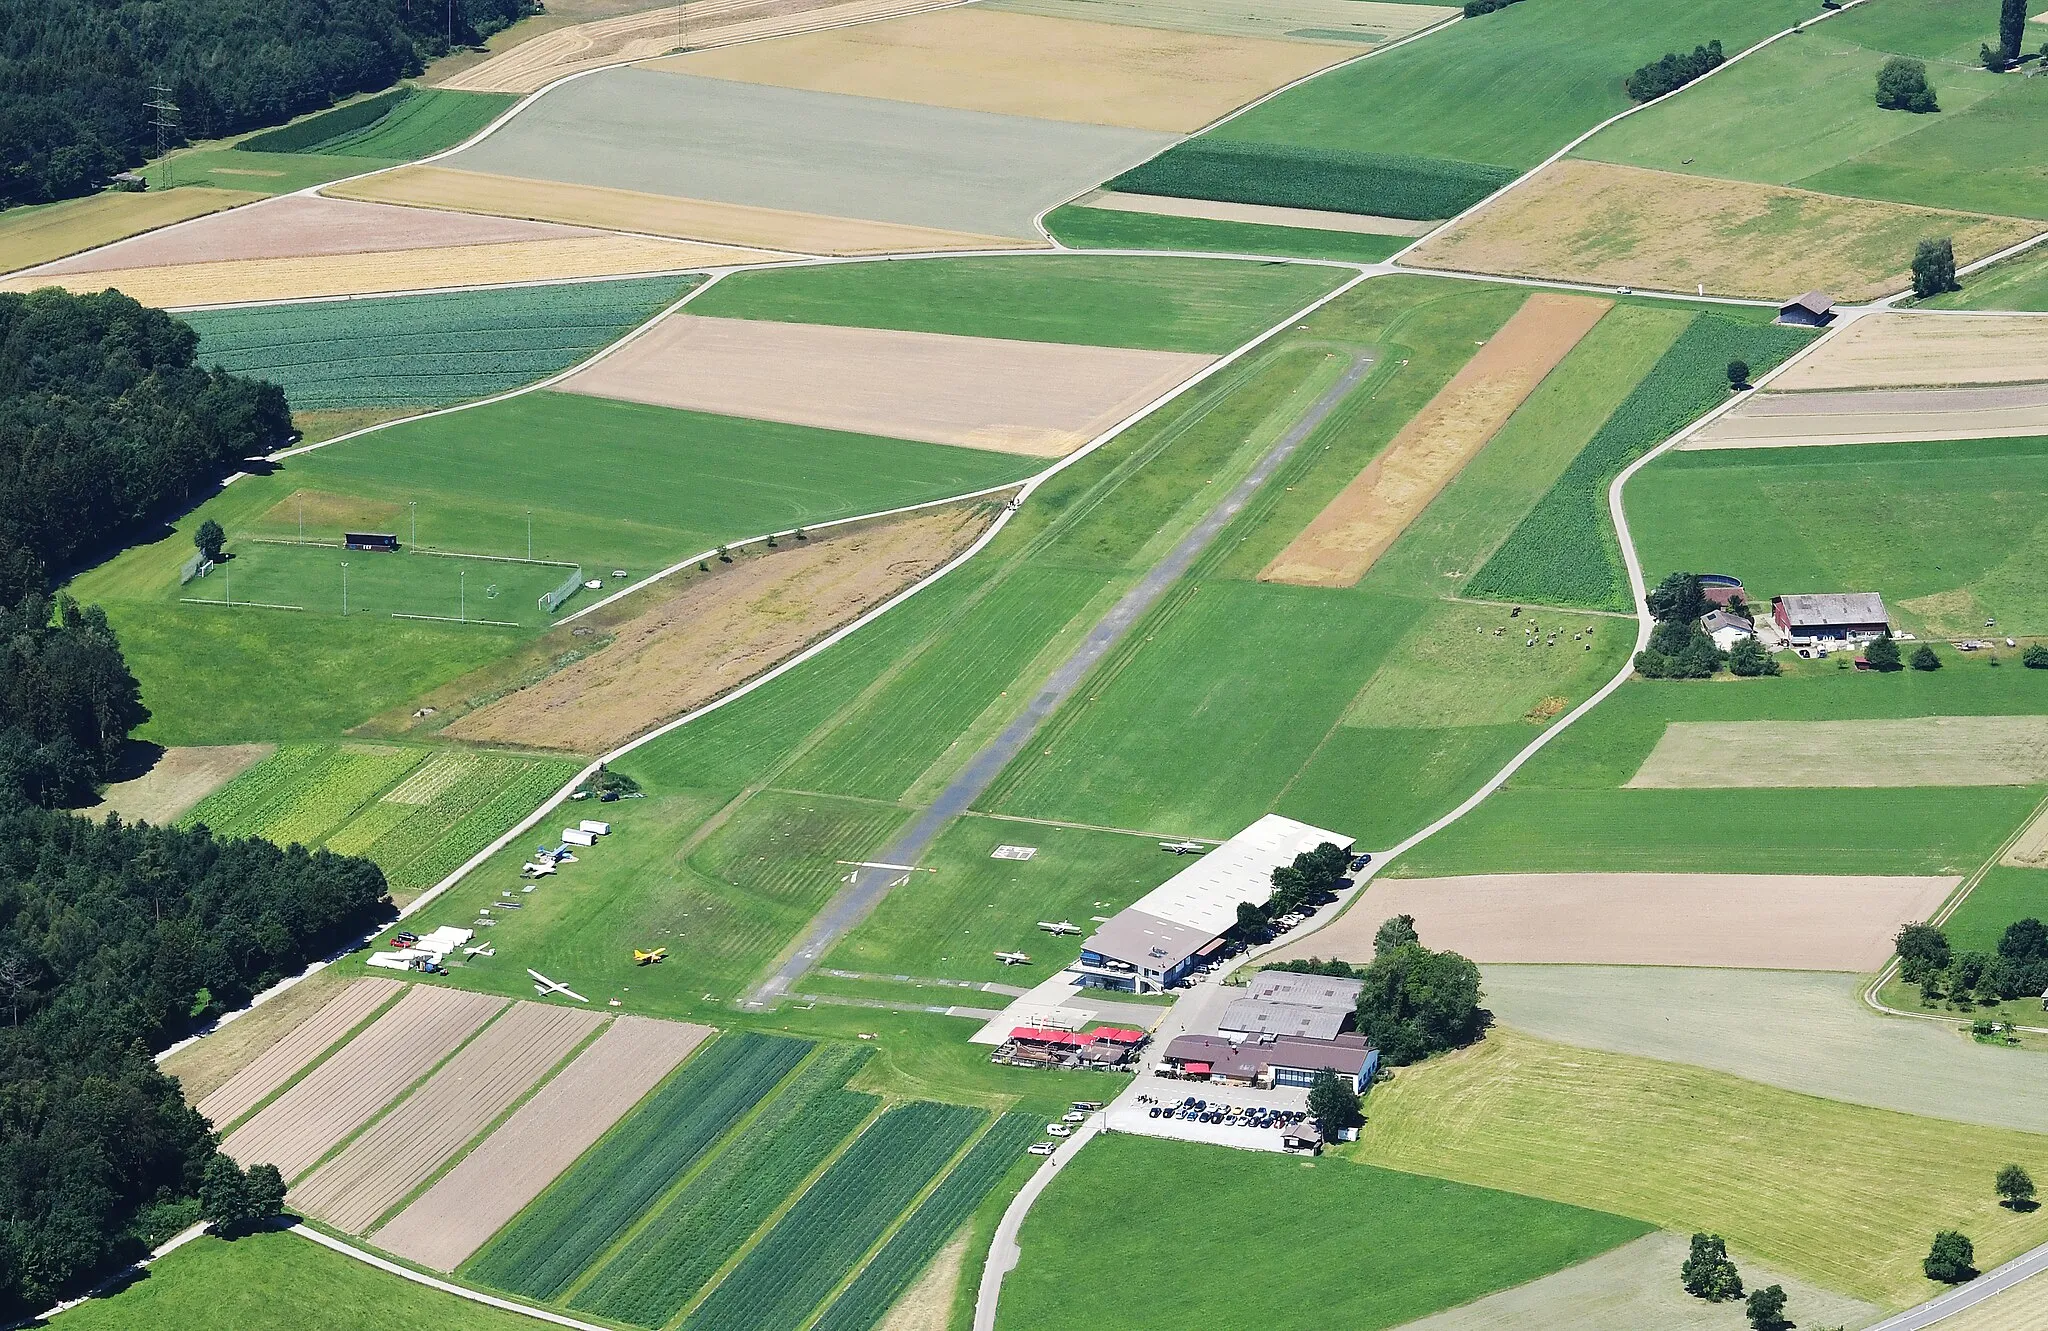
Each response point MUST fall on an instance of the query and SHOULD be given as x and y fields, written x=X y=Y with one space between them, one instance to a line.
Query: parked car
x=1073 y=1116
x=1058 y=1130
x=1042 y=1148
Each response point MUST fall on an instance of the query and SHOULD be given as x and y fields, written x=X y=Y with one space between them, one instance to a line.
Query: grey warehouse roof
x=1834 y=608
x=1814 y=302
x=1309 y=990
x=1249 y=1016
x=1148 y=942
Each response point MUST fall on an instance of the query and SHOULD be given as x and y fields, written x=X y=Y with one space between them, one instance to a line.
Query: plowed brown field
x=718 y=631
x=179 y=779
x=376 y=1170
x=278 y=1064
x=1925 y=351
x=511 y=1167
x=345 y=1092
x=1772 y=921
x=1366 y=517
x=1042 y=399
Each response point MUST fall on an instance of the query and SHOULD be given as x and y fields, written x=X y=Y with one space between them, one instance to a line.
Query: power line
x=164 y=119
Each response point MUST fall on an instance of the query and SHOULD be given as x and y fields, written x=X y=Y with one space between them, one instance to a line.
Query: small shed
x=576 y=836
x=595 y=827
x=379 y=541
x=1815 y=309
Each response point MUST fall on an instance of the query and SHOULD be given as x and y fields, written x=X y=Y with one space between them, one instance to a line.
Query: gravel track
x=375 y=1171
x=347 y=1090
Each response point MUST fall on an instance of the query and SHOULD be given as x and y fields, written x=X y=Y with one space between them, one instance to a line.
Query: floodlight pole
x=414 y=547
x=302 y=519
x=529 y=536
x=344 y=589
x=461 y=595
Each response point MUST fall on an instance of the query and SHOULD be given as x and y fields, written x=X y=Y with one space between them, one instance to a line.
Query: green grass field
x=1947 y=531
x=1507 y=88
x=1853 y=1197
x=2018 y=283
x=1165 y=304
x=1804 y=113
x=418 y=813
x=327 y=145
x=1110 y=229
x=425 y=351
x=280 y=1282
x=1335 y=1243
x=427 y=121
x=2005 y=894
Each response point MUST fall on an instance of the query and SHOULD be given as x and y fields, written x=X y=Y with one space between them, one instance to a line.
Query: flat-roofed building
x=1330 y=991
x=1250 y=1017
x=1274 y=1060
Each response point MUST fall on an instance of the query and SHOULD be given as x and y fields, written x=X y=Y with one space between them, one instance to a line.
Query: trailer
x=576 y=836
x=594 y=827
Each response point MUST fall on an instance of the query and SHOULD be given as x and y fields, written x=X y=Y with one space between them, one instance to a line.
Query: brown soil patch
x=300 y=1045
x=1622 y=225
x=1925 y=350
x=396 y=270
x=1260 y=214
x=179 y=779
x=1366 y=517
x=345 y=1092
x=1765 y=921
x=206 y=1066
x=1915 y=751
x=325 y=513
x=300 y=226
x=533 y=65
x=654 y=214
x=31 y=236
x=1041 y=399
x=511 y=1167
x=2030 y=851
x=975 y=59
x=1879 y=416
x=718 y=631
x=1547 y=709
x=928 y=1304
x=376 y=1170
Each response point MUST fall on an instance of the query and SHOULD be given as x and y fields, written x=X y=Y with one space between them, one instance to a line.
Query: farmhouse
x=1815 y=309
x=1163 y=936
x=1273 y=1060
x=1831 y=616
x=1726 y=629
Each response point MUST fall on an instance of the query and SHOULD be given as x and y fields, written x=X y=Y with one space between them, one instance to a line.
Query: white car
x=1074 y=1116
x=1058 y=1130
x=1042 y=1148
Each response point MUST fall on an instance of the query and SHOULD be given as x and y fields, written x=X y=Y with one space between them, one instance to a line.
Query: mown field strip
x=376 y=1170
x=462 y=1210
x=282 y=1061
x=299 y=1127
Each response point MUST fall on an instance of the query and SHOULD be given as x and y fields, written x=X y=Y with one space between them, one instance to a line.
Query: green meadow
x=1111 y=229
x=2004 y=895
x=2018 y=283
x=1950 y=533
x=1359 y=1246
x=1164 y=304
x=1804 y=112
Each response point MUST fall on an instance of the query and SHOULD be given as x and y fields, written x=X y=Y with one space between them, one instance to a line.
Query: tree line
x=2016 y=968
x=77 y=76
x=1416 y=1002
x=107 y=421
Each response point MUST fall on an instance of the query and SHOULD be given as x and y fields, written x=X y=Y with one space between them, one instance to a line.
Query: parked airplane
x=642 y=957
x=1013 y=958
x=543 y=986
x=1182 y=847
x=1063 y=927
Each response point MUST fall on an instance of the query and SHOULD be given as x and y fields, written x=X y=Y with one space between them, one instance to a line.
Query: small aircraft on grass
x=1014 y=958
x=1062 y=927
x=543 y=986
x=643 y=957
x=1181 y=847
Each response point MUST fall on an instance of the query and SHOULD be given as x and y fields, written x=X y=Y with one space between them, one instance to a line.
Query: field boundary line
x=1562 y=153
x=385 y=1264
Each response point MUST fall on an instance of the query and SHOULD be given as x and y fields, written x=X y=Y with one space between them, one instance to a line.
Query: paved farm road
x=866 y=887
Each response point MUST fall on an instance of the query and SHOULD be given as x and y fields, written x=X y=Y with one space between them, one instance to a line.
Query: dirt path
x=719 y=630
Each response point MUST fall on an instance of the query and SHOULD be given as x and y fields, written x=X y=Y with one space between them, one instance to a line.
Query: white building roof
x=1206 y=894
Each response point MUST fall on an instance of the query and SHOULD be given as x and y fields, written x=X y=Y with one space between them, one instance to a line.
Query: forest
x=105 y=422
x=115 y=941
x=77 y=76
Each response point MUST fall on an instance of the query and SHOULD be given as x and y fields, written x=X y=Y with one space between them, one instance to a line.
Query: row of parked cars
x=1192 y=1110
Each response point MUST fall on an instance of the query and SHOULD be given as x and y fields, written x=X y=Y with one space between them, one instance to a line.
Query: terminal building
x=1175 y=928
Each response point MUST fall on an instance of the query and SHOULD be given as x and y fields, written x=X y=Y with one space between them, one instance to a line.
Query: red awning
x=1120 y=1034
x=1194 y=1067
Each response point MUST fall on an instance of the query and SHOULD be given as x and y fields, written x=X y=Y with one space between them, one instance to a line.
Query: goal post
x=554 y=599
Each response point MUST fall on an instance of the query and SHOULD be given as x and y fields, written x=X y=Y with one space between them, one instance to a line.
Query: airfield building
x=1171 y=931
x=1313 y=1007
x=1831 y=616
x=1273 y=1060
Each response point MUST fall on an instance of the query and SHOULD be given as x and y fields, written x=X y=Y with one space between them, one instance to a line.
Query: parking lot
x=1255 y=1125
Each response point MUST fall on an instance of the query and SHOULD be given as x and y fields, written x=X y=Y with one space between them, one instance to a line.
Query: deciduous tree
x=1924 y=658
x=1333 y=1105
x=209 y=538
x=1707 y=1272
x=1392 y=933
x=1902 y=86
x=1934 y=267
x=1766 y=1308
x=1951 y=1259
x=2016 y=1186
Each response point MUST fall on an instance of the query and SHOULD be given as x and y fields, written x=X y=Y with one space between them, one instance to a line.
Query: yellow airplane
x=642 y=958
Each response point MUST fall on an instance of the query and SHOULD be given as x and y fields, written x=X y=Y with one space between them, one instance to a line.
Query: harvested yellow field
x=1624 y=226
x=1355 y=23
x=533 y=65
x=401 y=270
x=975 y=59
x=2030 y=849
x=1925 y=351
x=1905 y=751
x=1041 y=399
x=654 y=214
x=1879 y=416
x=30 y=236
x=2019 y=1306
x=1341 y=543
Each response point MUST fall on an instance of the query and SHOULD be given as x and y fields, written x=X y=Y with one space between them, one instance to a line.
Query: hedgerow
x=315 y=130
x=425 y=351
x=698 y=1231
x=875 y=1290
x=1564 y=552
x=831 y=1227
x=1332 y=179
x=541 y=1253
